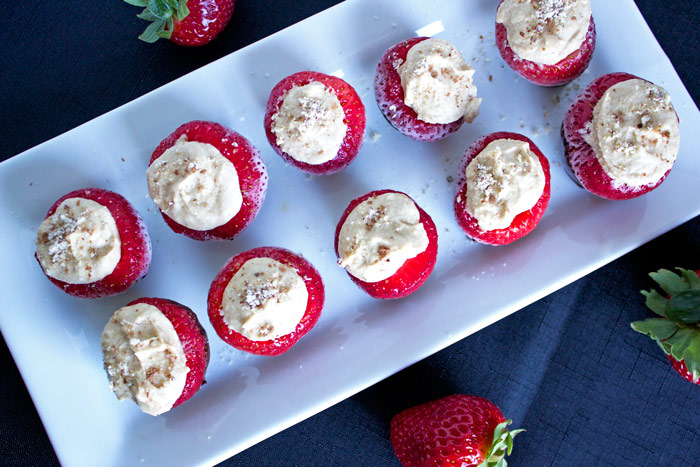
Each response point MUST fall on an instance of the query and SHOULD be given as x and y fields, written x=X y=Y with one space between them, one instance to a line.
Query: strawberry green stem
x=161 y=14
x=502 y=446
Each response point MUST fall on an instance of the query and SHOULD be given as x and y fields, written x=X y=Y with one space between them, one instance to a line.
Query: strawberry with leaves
x=677 y=331
x=185 y=22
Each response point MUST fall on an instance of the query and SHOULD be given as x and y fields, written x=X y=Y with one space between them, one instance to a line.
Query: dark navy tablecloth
x=589 y=390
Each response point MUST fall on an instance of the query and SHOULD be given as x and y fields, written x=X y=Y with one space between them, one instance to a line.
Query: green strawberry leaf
x=670 y=283
x=147 y=15
x=137 y=2
x=680 y=342
x=655 y=302
x=168 y=30
x=502 y=445
x=684 y=307
x=182 y=11
x=658 y=329
x=152 y=32
x=160 y=8
x=691 y=277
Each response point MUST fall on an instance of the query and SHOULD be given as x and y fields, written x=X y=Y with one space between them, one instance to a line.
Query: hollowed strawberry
x=580 y=156
x=414 y=271
x=390 y=97
x=565 y=71
x=352 y=107
x=135 y=257
x=270 y=347
x=252 y=175
x=523 y=223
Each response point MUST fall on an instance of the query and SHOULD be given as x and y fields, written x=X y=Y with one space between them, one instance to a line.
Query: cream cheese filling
x=264 y=300
x=144 y=359
x=634 y=132
x=545 y=31
x=79 y=243
x=503 y=180
x=379 y=235
x=437 y=83
x=195 y=185
x=310 y=124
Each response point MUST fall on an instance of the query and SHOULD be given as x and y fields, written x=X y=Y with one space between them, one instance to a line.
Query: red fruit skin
x=206 y=20
x=193 y=338
x=454 y=430
x=414 y=272
x=581 y=158
x=390 y=98
x=354 y=118
x=523 y=223
x=252 y=175
x=558 y=74
x=135 y=251
x=314 y=286
x=681 y=369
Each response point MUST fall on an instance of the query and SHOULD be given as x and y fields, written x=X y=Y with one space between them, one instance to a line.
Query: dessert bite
x=264 y=300
x=425 y=89
x=207 y=180
x=93 y=244
x=503 y=188
x=621 y=136
x=547 y=42
x=315 y=122
x=386 y=243
x=155 y=353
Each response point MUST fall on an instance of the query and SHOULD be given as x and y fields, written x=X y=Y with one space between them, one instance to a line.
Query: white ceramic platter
x=55 y=339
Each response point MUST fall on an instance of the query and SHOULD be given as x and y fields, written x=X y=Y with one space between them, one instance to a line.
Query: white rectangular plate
x=55 y=339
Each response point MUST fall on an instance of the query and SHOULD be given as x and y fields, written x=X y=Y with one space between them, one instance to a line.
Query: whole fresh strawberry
x=264 y=300
x=457 y=430
x=677 y=331
x=185 y=22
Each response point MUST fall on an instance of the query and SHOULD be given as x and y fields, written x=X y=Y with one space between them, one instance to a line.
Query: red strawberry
x=413 y=273
x=524 y=223
x=390 y=97
x=193 y=338
x=252 y=175
x=677 y=332
x=558 y=74
x=135 y=250
x=185 y=22
x=354 y=118
x=272 y=347
x=580 y=157
x=455 y=430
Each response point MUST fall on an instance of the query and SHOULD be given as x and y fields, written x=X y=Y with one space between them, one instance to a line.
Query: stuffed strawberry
x=155 y=353
x=185 y=22
x=677 y=331
x=207 y=180
x=386 y=243
x=621 y=136
x=93 y=244
x=549 y=43
x=456 y=430
x=425 y=89
x=264 y=300
x=503 y=188
x=315 y=122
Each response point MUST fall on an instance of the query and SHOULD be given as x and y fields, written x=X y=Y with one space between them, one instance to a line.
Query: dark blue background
x=589 y=390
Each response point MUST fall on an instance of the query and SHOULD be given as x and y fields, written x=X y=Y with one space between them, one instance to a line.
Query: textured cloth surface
x=568 y=368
